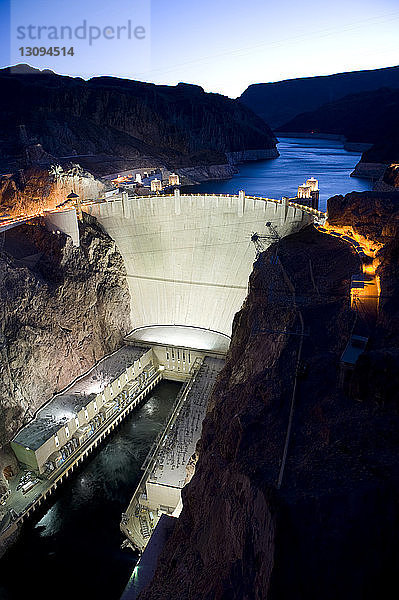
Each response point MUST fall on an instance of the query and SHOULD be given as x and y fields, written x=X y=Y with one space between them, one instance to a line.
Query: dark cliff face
x=61 y=309
x=361 y=117
x=386 y=149
x=391 y=176
x=376 y=217
x=331 y=530
x=277 y=103
x=371 y=117
x=126 y=120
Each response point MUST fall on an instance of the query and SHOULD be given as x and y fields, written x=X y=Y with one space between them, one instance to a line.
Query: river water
x=73 y=551
x=326 y=160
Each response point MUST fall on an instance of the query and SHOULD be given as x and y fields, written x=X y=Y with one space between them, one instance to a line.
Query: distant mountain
x=119 y=122
x=277 y=103
x=365 y=117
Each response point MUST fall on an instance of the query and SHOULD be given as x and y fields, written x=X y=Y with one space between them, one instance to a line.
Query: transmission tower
x=259 y=239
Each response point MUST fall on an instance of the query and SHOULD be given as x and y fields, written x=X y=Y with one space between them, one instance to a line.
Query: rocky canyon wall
x=37 y=189
x=375 y=216
x=61 y=309
x=331 y=530
x=114 y=124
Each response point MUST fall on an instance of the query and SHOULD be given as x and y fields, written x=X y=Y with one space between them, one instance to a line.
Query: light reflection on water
x=50 y=523
x=299 y=159
x=75 y=546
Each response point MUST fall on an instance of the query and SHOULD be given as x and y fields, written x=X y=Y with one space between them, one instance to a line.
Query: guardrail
x=23 y=219
x=181 y=396
x=73 y=459
x=308 y=209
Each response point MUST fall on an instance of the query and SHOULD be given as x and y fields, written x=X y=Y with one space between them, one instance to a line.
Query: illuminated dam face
x=188 y=257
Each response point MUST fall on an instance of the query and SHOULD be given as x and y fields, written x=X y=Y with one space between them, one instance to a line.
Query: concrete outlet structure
x=188 y=257
x=65 y=221
x=169 y=465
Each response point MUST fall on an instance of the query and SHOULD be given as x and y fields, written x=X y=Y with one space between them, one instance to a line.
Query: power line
x=308 y=35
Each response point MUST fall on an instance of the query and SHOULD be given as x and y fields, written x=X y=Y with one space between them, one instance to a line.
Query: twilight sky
x=223 y=45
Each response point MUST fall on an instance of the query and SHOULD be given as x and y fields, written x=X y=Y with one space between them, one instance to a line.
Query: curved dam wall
x=188 y=257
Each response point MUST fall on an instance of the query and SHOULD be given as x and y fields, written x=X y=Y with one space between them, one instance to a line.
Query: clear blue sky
x=223 y=45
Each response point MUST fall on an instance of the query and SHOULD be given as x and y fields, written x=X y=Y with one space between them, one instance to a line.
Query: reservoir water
x=299 y=159
x=73 y=551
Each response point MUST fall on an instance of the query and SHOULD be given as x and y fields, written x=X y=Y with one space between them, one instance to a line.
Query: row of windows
x=171 y=353
x=57 y=441
x=67 y=433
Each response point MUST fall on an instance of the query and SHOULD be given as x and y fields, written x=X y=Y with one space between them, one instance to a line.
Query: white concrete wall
x=176 y=361
x=65 y=221
x=161 y=495
x=188 y=258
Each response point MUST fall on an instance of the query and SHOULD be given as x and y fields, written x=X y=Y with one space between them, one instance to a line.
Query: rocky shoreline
x=366 y=170
x=200 y=174
x=363 y=169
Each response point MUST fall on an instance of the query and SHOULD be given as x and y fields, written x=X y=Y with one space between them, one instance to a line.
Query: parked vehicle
x=29 y=485
x=3 y=498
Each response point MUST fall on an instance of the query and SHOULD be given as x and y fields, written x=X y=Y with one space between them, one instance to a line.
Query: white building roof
x=65 y=405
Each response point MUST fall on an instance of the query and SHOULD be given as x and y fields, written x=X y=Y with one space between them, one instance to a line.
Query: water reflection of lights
x=149 y=407
x=50 y=523
x=44 y=520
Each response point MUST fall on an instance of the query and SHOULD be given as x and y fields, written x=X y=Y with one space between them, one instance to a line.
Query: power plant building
x=73 y=415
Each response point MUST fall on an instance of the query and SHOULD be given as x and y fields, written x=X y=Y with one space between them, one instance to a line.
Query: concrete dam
x=188 y=259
